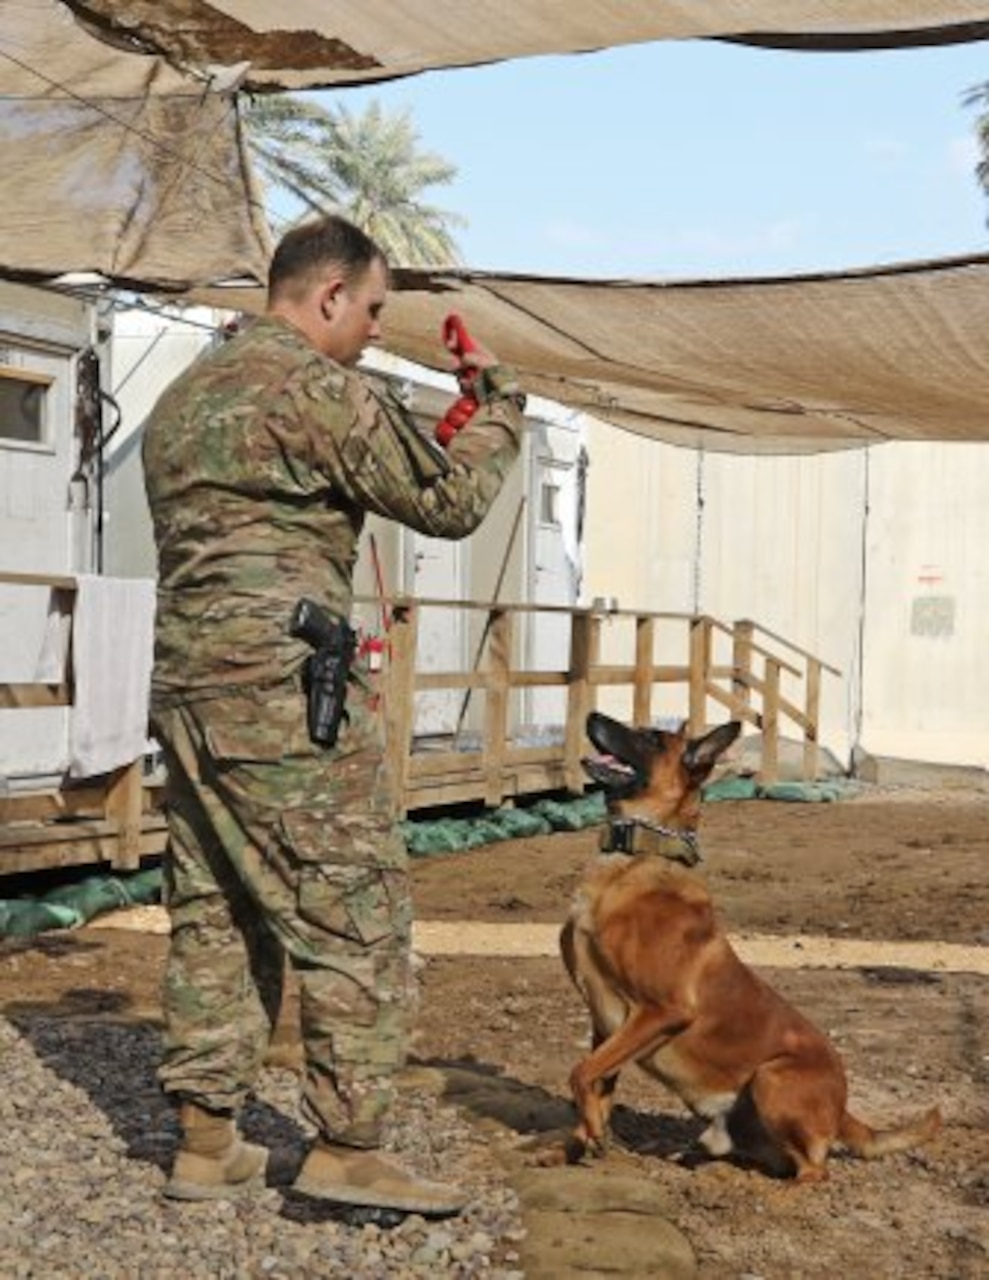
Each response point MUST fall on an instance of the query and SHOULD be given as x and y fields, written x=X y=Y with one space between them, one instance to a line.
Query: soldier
x=261 y=462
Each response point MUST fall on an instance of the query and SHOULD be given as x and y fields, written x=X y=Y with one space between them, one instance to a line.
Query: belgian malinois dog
x=665 y=989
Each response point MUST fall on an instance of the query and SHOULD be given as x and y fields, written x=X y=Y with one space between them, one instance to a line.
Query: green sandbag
x=143 y=887
x=509 y=824
x=454 y=835
x=451 y=835
x=572 y=815
x=70 y=905
x=443 y=835
x=90 y=897
x=731 y=788
x=801 y=792
x=592 y=808
x=519 y=823
x=487 y=830
x=25 y=917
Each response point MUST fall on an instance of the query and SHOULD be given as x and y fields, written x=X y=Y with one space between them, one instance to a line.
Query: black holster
x=326 y=670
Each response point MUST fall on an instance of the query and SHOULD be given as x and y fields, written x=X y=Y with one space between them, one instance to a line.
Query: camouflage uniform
x=260 y=465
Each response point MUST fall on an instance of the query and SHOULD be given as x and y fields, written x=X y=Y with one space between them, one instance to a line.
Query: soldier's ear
x=328 y=299
x=329 y=293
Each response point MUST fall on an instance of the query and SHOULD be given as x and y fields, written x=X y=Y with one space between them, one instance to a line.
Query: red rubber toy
x=458 y=341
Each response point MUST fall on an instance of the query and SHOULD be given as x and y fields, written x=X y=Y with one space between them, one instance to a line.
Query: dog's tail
x=869 y=1143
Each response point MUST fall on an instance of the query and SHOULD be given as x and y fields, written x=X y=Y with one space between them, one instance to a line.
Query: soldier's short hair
x=304 y=253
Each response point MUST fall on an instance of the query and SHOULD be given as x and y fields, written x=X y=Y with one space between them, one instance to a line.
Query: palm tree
x=367 y=167
x=978 y=96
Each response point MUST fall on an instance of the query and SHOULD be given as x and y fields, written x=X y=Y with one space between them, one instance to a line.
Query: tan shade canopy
x=309 y=43
x=775 y=365
x=123 y=156
x=116 y=163
x=122 y=152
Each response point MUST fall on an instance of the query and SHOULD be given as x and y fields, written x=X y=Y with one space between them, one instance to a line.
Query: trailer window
x=549 y=505
x=23 y=402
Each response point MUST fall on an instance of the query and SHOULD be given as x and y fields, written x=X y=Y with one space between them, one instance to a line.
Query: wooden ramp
x=645 y=665
x=641 y=666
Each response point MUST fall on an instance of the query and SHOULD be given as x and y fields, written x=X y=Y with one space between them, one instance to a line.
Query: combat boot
x=213 y=1162
x=367 y=1179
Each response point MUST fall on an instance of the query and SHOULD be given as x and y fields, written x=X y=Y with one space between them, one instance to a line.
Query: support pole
x=494 y=600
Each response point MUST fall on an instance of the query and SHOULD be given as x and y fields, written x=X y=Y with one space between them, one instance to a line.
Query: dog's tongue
x=611 y=762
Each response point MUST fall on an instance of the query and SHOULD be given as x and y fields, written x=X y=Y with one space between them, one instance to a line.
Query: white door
x=38 y=534
x=436 y=570
x=554 y=580
x=37 y=457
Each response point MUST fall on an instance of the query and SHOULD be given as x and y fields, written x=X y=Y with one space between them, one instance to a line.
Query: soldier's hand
x=470 y=361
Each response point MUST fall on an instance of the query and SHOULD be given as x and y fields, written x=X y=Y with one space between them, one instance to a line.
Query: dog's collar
x=639 y=835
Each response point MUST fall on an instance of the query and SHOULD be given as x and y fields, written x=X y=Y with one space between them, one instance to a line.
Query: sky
x=679 y=160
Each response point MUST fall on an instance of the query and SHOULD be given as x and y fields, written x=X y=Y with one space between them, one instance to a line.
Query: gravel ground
x=86 y=1140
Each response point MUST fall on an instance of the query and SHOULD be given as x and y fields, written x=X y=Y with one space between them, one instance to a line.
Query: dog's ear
x=700 y=754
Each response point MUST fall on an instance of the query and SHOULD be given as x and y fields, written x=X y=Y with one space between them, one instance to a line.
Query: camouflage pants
x=276 y=849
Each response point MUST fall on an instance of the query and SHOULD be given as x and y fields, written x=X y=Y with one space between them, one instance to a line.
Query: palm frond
x=368 y=167
x=978 y=96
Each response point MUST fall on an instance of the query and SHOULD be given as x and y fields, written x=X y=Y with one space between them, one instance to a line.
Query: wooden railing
x=745 y=670
x=111 y=819
x=493 y=766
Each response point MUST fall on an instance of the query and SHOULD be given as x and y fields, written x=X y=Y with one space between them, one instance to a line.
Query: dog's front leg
x=644 y=1031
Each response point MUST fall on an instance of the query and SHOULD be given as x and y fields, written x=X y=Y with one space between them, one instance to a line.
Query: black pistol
x=325 y=672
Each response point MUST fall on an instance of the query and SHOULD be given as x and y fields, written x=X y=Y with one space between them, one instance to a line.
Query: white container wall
x=46 y=504
x=871 y=559
x=927 y=604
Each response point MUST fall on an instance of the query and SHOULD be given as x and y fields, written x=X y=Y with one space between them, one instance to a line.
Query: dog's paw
x=582 y=1150
x=575 y=1149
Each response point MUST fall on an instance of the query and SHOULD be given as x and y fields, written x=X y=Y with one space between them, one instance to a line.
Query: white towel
x=112 y=653
x=50 y=666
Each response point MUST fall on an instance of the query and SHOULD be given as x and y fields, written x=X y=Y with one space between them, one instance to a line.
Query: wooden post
x=400 y=698
x=645 y=634
x=700 y=666
x=812 y=710
x=124 y=805
x=771 y=724
x=496 y=705
x=741 y=661
x=582 y=642
x=494 y=600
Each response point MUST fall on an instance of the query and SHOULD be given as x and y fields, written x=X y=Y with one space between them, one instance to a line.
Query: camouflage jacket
x=260 y=464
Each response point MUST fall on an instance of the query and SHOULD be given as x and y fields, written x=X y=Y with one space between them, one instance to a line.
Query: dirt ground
x=504 y=1033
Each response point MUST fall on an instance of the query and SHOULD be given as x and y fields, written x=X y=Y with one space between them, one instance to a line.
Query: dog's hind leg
x=716 y=1139
x=799 y=1107
x=737 y=1129
x=810 y=1160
